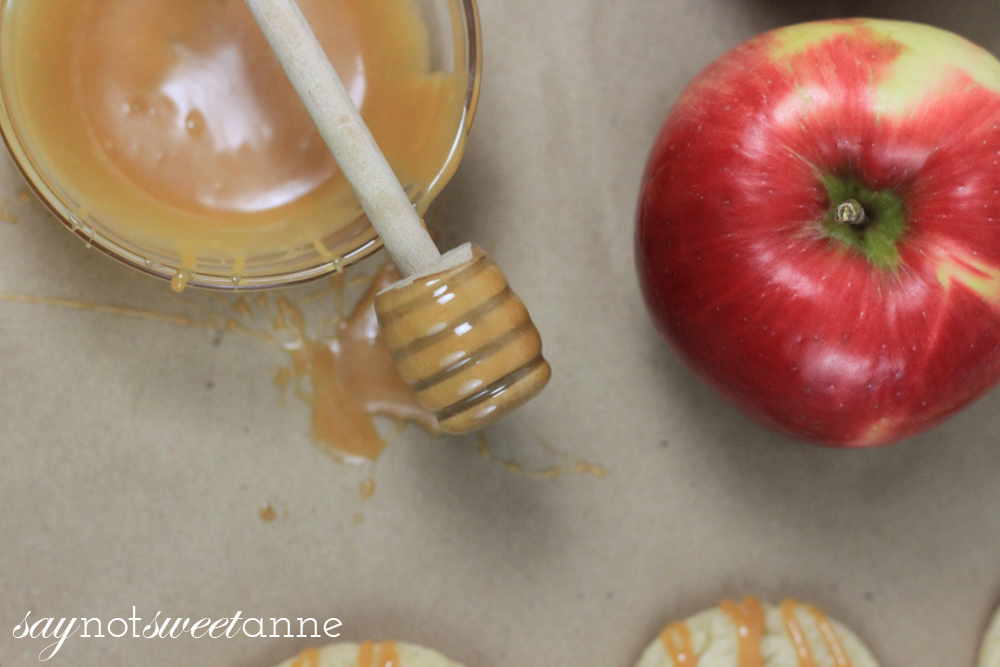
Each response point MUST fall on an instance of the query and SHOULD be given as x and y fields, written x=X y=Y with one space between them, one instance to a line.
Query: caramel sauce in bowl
x=165 y=133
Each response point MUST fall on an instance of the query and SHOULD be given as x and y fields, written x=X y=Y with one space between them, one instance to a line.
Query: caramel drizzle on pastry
x=382 y=654
x=676 y=639
x=308 y=658
x=840 y=658
x=795 y=632
x=825 y=628
x=748 y=616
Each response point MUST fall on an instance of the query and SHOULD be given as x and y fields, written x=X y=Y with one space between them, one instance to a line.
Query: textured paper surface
x=136 y=454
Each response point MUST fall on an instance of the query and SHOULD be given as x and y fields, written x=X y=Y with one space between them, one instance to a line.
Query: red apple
x=844 y=334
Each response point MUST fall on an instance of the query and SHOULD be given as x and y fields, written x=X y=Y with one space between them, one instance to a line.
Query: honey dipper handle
x=345 y=133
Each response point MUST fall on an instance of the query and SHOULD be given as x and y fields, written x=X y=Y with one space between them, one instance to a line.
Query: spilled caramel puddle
x=338 y=366
x=348 y=379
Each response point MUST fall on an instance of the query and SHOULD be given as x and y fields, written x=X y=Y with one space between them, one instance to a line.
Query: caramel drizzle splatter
x=268 y=513
x=350 y=378
x=748 y=616
x=676 y=640
x=572 y=467
x=178 y=320
x=346 y=380
x=5 y=214
x=22 y=197
x=387 y=655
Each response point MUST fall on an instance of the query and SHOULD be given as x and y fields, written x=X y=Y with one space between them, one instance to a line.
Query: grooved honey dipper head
x=463 y=340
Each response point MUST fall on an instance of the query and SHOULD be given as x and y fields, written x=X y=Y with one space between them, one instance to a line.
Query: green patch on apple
x=875 y=232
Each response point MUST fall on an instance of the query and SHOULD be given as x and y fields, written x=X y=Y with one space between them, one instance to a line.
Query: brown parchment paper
x=137 y=454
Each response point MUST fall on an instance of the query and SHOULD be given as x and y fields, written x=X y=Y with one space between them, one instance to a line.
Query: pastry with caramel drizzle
x=750 y=633
x=369 y=654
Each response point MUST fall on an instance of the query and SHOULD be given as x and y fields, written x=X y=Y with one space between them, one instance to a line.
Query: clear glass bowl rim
x=367 y=243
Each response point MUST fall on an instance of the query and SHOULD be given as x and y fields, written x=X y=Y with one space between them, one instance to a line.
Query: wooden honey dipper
x=460 y=337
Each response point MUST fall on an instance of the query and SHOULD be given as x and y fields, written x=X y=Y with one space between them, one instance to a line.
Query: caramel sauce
x=346 y=380
x=749 y=619
x=308 y=658
x=382 y=654
x=5 y=213
x=748 y=616
x=173 y=123
x=837 y=650
x=388 y=655
x=352 y=378
x=268 y=513
x=72 y=304
x=795 y=632
x=676 y=640
x=572 y=467
x=9 y=216
x=366 y=654
x=242 y=308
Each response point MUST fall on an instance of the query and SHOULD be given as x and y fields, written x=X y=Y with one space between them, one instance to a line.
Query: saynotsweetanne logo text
x=58 y=630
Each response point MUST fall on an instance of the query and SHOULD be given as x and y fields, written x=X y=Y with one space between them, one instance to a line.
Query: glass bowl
x=92 y=211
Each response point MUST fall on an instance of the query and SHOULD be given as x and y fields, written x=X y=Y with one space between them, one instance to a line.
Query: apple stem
x=851 y=213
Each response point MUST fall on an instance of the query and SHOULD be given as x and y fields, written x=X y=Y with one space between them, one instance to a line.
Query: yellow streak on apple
x=929 y=56
x=879 y=431
x=796 y=39
x=929 y=59
x=962 y=268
